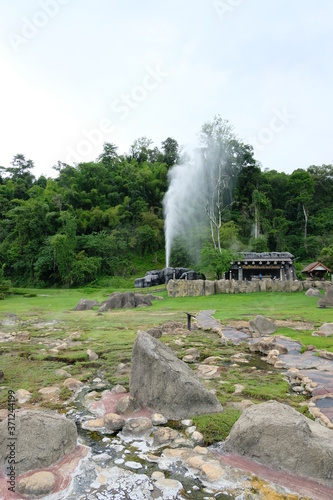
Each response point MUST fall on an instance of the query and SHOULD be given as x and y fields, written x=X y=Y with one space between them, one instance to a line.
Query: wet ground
x=318 y=369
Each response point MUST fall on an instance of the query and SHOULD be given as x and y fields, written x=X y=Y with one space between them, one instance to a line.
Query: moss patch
x=216 y=427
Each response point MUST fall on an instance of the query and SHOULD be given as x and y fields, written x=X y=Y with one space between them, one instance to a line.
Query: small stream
x=109 y=450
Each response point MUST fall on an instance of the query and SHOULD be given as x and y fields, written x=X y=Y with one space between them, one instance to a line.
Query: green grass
x=305 y=338
x=216 y=427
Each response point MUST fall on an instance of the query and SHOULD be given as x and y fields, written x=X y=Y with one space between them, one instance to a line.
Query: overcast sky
x=78 y=73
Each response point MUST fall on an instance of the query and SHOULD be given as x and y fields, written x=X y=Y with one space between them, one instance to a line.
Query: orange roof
x=312 y=267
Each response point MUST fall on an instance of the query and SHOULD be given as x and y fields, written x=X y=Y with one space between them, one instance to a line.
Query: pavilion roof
x=312 y=267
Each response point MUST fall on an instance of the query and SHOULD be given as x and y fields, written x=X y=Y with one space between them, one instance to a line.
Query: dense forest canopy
x=94 y=219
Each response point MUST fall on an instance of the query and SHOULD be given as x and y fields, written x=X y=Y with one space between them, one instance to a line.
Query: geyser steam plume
x=179 y=202
x=196 y=191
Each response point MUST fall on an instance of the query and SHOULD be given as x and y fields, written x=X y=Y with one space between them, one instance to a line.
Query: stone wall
x=182 y=288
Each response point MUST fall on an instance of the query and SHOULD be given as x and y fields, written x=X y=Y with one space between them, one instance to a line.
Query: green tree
x=170 y=150
x=5 y=284
x=214 y=263
x=301 y=189
x=260 y=204
x=85 y=269
x=326 y=256
x=223 y=157
x=63 y=247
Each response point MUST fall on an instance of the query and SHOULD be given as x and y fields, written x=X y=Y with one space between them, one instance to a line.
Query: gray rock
x=22 y=396
x=164 y=436
x=158 y=419
x=92 y=355
x=266 y=344
x=327 y=300
x=155 y=332
x=262 y=326
x=137 y=427
x=142 y=300
x=119 y=300
x=327 y=329
x=163 y=382
x=118 y=389
x=277 y=435
x=113 y=422
x=313 y=292
x=154 y=297
x=127 y=405
x=115 y=301
x=85 y=305
x=42 y=439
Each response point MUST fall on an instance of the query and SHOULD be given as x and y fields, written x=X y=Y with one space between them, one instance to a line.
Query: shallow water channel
x=110 y=450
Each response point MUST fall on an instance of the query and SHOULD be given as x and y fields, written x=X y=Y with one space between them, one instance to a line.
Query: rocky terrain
x=129 y=446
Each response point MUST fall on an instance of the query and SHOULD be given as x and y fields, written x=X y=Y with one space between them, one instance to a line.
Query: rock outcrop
x=85 y=305
x=41 y=440
x=327 y=329
x=313 y=292
x=277 y=435
x=163 y=382
x=119 y=300
x=327 y=300
x=261 y=326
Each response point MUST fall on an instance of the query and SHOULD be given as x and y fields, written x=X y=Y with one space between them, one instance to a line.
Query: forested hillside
x=97 y=219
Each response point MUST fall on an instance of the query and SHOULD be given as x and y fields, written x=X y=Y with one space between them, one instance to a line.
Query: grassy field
x=49 y=318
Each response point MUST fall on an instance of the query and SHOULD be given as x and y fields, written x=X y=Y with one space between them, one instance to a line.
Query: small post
x=189 y=316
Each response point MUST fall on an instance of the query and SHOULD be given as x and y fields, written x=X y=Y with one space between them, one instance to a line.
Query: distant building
x=260 y=266
x=316 y=271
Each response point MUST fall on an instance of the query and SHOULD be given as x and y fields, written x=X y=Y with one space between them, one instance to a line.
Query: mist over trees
x=105 y=218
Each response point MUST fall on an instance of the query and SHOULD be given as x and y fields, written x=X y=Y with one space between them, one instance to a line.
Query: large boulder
x=313 y=292
x=141 y=300
x=119 y=300
x=41 y=440
x=327 y=300
x=327 y=329
x=163 y=382
x=85 y=305
x=277 y=435
x=115 y=301
x=262 y=326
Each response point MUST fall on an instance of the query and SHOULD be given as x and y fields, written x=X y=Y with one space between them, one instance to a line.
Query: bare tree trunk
x=305 y=226
x=256 y=222
x=212 y=231
x=215 y=214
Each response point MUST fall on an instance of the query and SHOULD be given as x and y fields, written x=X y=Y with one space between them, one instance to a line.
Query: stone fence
x=184 y=288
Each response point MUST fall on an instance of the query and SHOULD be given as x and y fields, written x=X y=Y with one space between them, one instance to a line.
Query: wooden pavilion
x=250 y=266
x=316 y=271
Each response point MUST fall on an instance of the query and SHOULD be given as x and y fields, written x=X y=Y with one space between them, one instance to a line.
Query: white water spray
x=197 y=193
x=183 y=203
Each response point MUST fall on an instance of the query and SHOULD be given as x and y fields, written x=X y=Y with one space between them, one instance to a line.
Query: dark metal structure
x=249 y=266
x=163 y=276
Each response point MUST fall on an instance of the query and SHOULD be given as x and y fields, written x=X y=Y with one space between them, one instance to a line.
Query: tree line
x=94 y=219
